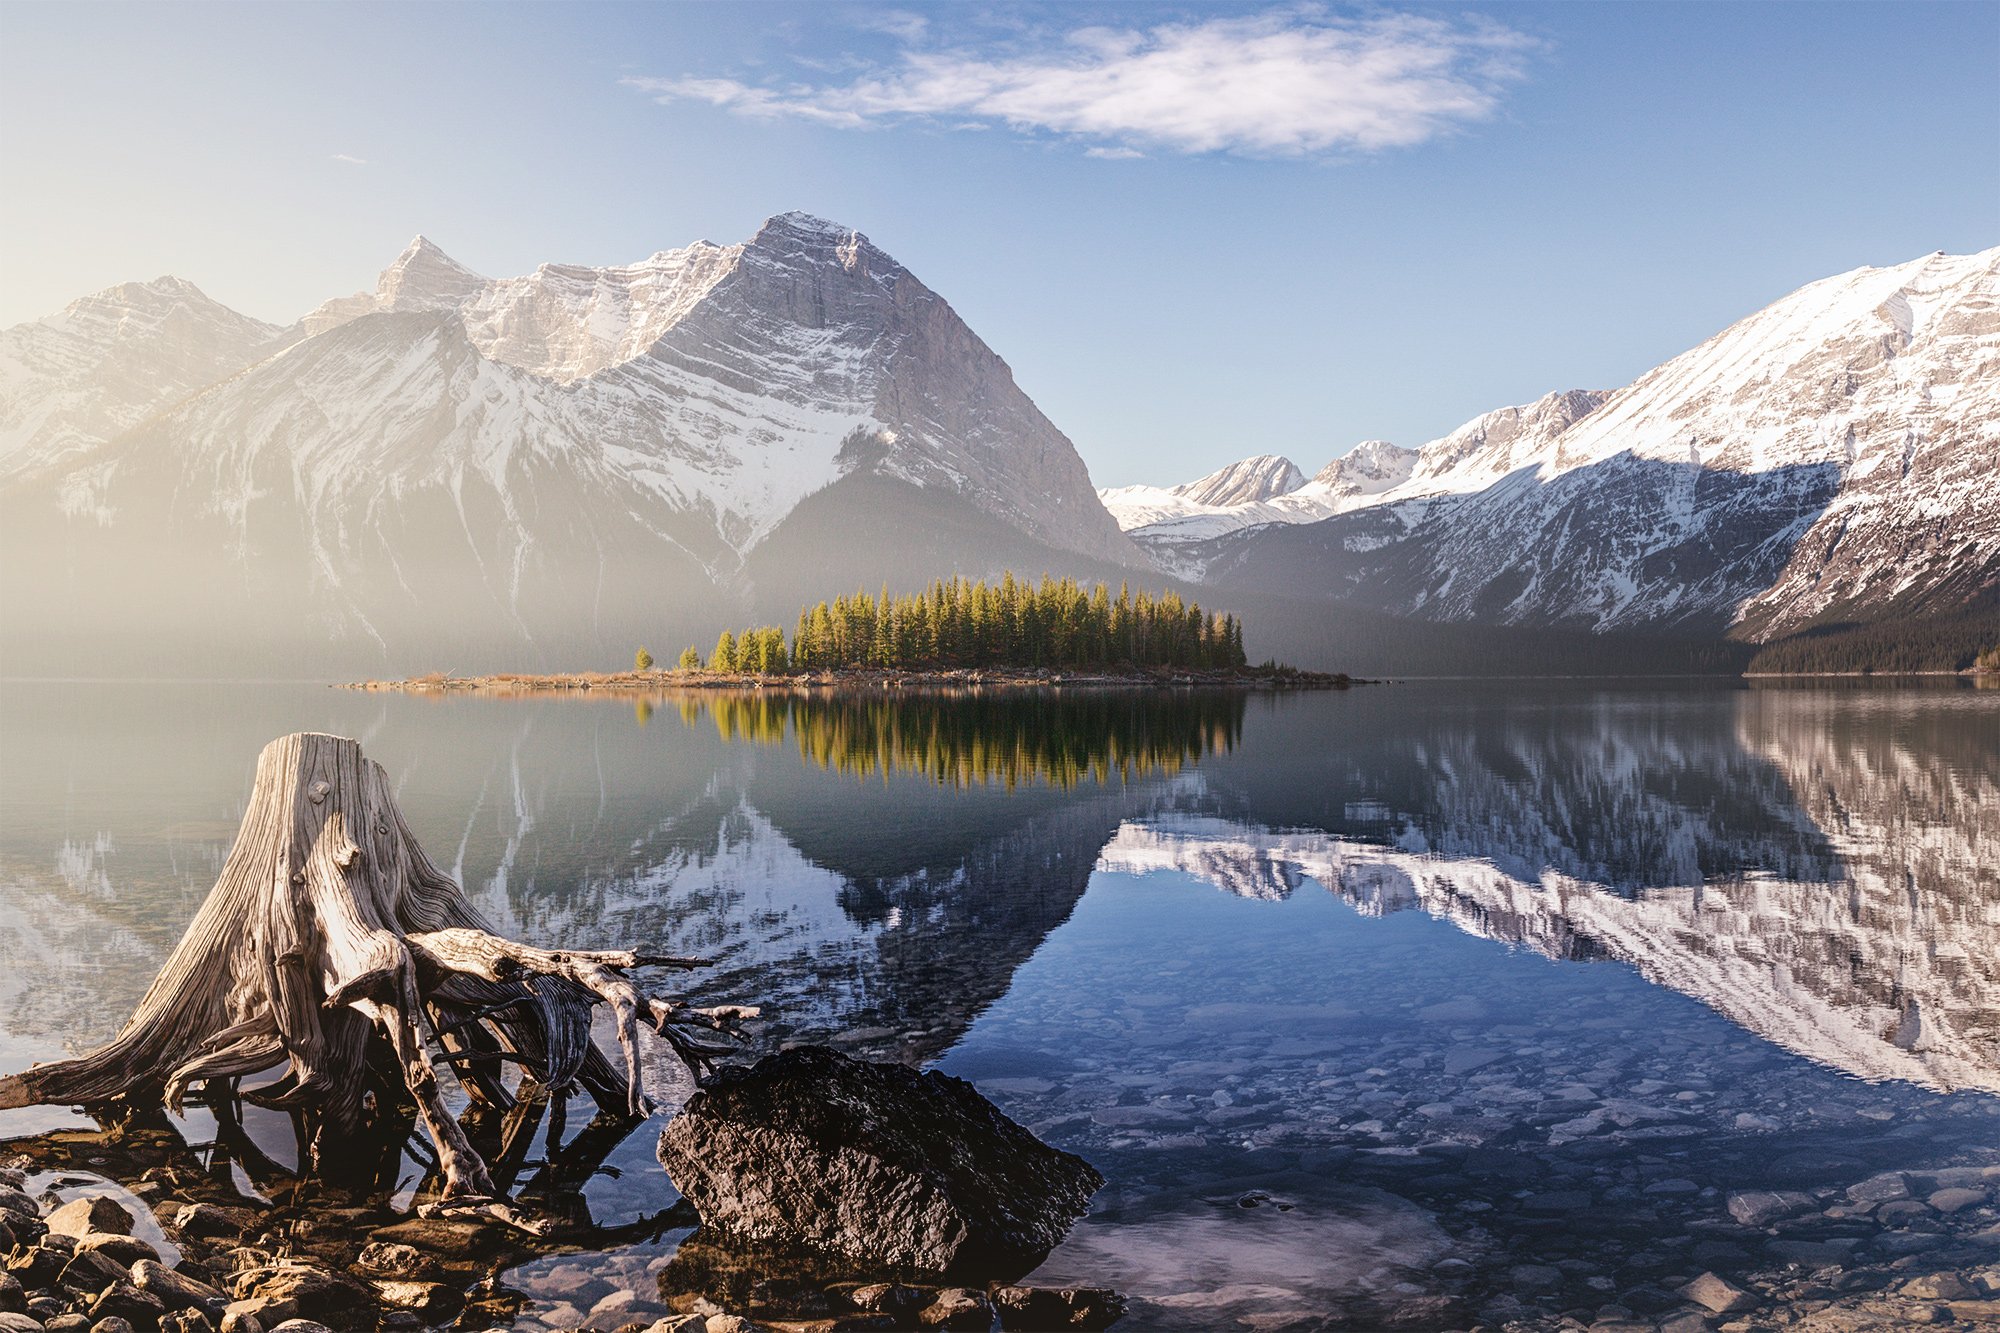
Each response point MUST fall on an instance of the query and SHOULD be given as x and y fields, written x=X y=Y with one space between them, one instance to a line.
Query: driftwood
x=327 y=944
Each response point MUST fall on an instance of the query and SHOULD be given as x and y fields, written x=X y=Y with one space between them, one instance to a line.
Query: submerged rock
x=874 y=1162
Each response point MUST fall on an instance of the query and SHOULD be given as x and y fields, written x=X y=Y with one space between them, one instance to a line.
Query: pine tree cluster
x=1014 y=623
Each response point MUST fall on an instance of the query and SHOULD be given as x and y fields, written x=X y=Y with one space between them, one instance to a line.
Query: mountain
x=1169 y=521
x=453 y=470
x=105 y=363
x=1834 y=457
x=1263 y=477
x=1369 y=468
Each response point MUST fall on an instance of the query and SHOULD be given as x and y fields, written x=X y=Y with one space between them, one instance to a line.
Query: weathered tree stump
x=326 y=944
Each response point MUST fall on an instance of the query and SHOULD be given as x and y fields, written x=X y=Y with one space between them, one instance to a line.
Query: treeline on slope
x=1929 y=643
x=968 y=739
x=959 y=623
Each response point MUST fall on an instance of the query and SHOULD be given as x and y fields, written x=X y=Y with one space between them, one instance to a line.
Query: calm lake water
x=1430 y=1001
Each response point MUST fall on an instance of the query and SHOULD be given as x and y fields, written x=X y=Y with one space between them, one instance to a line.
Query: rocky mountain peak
x=1370 y=466
x=1259 y=477
x=424 y=277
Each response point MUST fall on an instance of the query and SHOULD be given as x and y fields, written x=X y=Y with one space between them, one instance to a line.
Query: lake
x=1428 y=1003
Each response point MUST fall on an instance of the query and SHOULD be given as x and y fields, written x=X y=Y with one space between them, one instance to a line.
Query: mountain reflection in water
x=1022 y=888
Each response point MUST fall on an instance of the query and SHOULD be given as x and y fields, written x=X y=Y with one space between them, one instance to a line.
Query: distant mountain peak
x=801 y=223
x=1259 y=477
x=424 y=277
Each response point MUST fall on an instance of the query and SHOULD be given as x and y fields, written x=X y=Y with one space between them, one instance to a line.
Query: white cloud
x=898 y=23
x=1283 y=83
x=350 y=159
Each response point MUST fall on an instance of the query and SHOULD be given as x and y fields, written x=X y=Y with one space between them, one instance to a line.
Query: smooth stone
x=18 y=1323
x=958 y=1308
x=889 y=1298
x=82 y=1217
x=1718 y=1294
x=1940 y=1287
x=1756 y=1208
x=425 y=1298
x=386 y=1256
x=122 y=1300
x=178 y=1290
x=127 y=1250
x=1952 y=1200
x=111 y=1325
x=1901 y=1211
x=213 y=1220
x=1883 y=1188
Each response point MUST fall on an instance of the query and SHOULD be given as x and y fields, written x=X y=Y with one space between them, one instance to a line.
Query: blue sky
x=1195 y=232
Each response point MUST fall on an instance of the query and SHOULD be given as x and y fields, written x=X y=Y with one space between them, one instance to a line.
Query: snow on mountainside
x=1835 y=455
x=543 y=460
x=1262 y=477
x=110 y=360
x=1369 y=468
x=1261 y=489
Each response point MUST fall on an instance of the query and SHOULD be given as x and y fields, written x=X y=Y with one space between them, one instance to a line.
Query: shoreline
x=865 y=681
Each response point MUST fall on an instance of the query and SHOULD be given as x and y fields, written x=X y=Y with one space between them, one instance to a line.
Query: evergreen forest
x=957 y=623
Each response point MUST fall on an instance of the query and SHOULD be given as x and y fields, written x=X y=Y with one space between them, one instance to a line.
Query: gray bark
x=327 y=944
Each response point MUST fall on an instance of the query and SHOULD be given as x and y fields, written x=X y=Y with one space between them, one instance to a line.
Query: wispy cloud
x=1283 y=83
x=350 y=159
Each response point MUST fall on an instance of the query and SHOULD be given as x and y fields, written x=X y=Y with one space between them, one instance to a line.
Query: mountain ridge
x=456 y=451
x=1837 y=448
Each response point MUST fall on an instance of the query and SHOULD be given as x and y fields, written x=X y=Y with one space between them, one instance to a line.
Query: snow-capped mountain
x=109 y=361
x=533 y=469
x=1368 y=469
x=1168 y=522
x=1833 y=456
x=1262 y=477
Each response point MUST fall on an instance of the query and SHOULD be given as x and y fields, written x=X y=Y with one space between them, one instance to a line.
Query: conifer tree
x=724 y=657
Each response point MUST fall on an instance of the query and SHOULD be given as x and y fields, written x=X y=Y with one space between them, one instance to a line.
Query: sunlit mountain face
x=1397 y=958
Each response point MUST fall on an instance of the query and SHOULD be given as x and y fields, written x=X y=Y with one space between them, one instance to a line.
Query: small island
x=957 y=634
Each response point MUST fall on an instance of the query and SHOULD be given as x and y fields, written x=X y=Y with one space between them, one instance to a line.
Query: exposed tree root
x=327 y=944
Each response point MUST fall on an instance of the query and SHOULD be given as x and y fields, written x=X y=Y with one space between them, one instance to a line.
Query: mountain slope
x=107 y=362
x=532 y=471
x=1834 y=456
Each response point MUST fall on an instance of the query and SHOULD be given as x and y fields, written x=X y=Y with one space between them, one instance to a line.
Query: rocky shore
x=147 y=1260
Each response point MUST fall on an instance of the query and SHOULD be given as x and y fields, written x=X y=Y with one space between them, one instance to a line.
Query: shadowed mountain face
x=1829 y=458
x=454 y=471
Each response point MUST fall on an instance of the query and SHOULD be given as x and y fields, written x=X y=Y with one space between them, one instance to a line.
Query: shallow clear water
x=1416 y=1001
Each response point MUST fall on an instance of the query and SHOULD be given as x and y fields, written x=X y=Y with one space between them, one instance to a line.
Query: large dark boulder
x=875 y=1163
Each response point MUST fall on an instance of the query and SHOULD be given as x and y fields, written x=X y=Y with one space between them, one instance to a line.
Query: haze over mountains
x=453 y=471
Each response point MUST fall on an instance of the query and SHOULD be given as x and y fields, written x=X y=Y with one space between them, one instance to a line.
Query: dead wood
x=327 y=946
